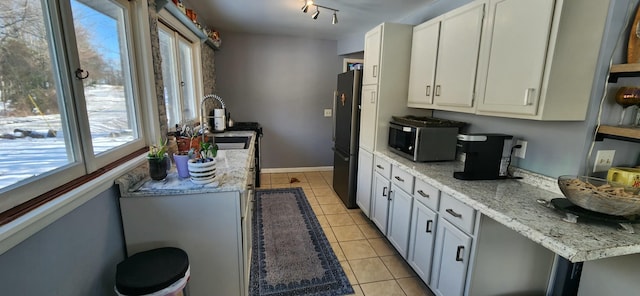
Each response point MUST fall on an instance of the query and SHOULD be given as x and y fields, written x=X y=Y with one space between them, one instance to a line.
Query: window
x=68 y=92
x=180 y=63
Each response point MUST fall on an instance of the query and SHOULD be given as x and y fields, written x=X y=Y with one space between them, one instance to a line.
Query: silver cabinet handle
x=528 y=93
x=399 y=179
x=373 y=97
x=423 y=194
x=428 y=90
x=453 y=213
x=437 y=94
x=429 y=223
x=459 y=253
x=375 y=70
x=379 y=166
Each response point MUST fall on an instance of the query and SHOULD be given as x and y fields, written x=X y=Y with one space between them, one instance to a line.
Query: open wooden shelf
x=623 y=133
x=623 y=70
x=177 y=13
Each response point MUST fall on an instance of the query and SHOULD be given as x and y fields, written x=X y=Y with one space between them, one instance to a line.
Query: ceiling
x=285 y=17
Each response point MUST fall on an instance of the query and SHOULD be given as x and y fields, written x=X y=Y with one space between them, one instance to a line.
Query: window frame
x=171 y=23
x=58 y=18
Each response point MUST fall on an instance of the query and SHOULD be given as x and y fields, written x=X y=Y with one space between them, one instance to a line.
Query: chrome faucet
x=202 y=111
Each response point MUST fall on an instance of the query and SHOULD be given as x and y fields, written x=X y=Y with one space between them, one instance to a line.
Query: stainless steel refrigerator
x=346 y=127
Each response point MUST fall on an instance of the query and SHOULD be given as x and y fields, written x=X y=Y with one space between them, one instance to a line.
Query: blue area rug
x=291 y=254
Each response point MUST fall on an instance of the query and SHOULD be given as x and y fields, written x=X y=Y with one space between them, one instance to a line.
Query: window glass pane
x=33 y=138
x=188 y=84
x=169 y=77
x=102 y=48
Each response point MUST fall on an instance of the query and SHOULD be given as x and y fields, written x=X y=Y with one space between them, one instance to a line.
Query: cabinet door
x=422 y=237
x=365 y=173
x=422 y=72
x=399 y=220
x=450 y=272
x=368 y=111
x=380 y=206
x=517 y=53
x=372 y=42
x=458 y=56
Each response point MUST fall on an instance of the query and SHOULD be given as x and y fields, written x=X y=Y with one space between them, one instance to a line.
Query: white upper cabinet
x=539 y=58
x=372 y=44
x=422 y=72
x=457 y=61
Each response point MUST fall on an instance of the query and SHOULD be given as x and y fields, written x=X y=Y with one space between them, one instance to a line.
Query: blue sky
x=104 y=36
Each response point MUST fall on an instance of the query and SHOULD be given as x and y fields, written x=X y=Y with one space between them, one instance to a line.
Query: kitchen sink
x=227 y=143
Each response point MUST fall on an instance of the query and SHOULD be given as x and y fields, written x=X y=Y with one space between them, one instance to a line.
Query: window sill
x=28 y=224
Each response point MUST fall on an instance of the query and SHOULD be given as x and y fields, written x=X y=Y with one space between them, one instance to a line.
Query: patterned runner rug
x=291 y=254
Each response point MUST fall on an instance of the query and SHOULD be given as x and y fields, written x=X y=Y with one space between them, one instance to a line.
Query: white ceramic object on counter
x=202 y=172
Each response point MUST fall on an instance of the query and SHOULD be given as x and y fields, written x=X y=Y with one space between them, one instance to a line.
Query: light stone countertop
x=514 y=204
x=232 y=174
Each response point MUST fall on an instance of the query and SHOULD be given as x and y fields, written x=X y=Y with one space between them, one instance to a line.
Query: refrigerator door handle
x=333 y=130
x=345 y=158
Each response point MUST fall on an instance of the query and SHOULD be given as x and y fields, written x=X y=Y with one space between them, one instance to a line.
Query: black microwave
x=420 y=144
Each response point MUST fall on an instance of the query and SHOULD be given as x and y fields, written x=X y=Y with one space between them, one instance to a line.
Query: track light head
x=334 y=20
x=305 y=7
x=315 y=14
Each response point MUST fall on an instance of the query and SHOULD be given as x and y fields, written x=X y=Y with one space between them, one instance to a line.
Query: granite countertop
x=232 y=174
x=514 y=204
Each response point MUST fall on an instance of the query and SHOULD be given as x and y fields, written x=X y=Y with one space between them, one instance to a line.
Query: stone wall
x=207 y=54
x=157 y=68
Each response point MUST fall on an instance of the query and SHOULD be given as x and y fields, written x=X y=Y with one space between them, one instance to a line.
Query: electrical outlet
x=327 y=112
x=520 y=152
x=604 y=160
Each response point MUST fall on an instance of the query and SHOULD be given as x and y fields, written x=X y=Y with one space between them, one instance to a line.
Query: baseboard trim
x=296 y=170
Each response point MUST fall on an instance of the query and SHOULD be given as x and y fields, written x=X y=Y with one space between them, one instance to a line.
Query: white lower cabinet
x=421 y=240
x=399 y=219
x=449 y=271
x=365 y=175
x=380 y=202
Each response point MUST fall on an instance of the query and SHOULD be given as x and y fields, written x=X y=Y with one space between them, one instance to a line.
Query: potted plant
x=158 y=161
x=202 y=169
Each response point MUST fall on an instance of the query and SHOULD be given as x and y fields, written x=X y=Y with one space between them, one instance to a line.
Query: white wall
x=284 y=83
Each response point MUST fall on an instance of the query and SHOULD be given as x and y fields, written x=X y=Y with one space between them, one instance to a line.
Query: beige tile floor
x=372 y=265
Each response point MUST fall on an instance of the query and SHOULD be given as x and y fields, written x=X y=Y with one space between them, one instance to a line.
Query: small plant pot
x=181 y=161
x=202 y=172
x=158 y=167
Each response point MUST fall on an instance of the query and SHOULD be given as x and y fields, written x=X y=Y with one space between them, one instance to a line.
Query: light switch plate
x=604 y=160
x=327 y=112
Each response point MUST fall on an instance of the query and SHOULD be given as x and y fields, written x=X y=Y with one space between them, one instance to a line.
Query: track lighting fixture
x=305 y=8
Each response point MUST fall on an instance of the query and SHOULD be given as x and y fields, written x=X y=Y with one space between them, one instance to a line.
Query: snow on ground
x=22 y=158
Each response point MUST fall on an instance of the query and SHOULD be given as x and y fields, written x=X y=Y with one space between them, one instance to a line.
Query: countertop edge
x=546 y=240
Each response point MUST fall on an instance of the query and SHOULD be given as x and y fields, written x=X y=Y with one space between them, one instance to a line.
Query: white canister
x=219 y=120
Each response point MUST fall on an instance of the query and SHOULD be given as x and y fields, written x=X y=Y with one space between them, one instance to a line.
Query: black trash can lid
x=151 y=271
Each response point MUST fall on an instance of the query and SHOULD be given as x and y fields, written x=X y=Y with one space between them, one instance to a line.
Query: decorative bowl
x=600 y=195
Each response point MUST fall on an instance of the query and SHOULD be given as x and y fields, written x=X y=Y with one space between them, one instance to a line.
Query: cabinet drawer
x=383 y=167
x=427 y=194
x=402 y=179
x=457 y=213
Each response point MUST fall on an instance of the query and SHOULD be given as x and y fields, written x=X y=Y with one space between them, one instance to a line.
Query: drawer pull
x=399 y=179
x=379 y=166
x=453 y=213
x=437 y=94
x=423 y=194
x=375 y=71
x=384 y=191
x=390 y=194
x=459 y=253
x=428 y=90
x=429 y=223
